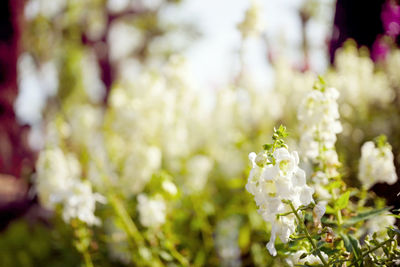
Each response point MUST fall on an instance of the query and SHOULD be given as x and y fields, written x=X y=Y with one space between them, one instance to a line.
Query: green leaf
x=391 y=229
x=329 y=210
x=381 y=140
x=343 y=200
x=346 y=242
x=364 y=216
x=321 y=80
x=327 y=222
x=267 y=146
x=355 y=245
x=334 y=185
x=244 y=237
x=351 y=244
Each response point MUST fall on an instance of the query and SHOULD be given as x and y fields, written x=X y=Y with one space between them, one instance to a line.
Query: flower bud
x=318 y=212
x=261 y=159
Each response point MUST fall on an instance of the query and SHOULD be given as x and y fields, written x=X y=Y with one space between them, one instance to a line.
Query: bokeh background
x=202 y=81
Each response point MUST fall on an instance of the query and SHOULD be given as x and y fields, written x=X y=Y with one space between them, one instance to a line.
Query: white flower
x=152 y=211
x=310 y=258
x=226 y=241
x=118 y=243
x=319 y=209
x=198 y=167
x=319 y=123
x=252 y=23
x=81 y=204
x=272 y=183
x=379 y=224
x=169 y=187
x=58 y=182
x=376 y=165
x=139 y=167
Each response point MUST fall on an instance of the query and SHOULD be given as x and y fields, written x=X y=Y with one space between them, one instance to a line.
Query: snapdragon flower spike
x=376 y=163
x=59 y=183
x=318 y=115
x=273 y=181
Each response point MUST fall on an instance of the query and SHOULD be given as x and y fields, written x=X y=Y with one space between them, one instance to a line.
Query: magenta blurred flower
x=380 y=48
x=391 y=18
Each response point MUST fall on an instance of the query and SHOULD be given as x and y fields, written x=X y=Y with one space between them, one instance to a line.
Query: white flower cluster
x=138 y=168
x=376 y=165
x=319 y=123
x=359 y=81
x=252 y=23
x=152 y=211
x=271 y=184
x=58 y=182
x=309 y=259
x=379 y=224
x=226 y=241
x=155 y=113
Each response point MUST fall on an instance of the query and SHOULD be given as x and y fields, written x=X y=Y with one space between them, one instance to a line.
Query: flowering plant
x=326 y=223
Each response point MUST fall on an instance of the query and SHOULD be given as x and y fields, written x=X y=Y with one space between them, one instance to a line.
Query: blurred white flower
x=359 y=82
x=320 y=209
x=58 y=182
x=379 y=224
x=152 y=211
x=46 y=8
x=376 y=165
x=169 y=187
x=318 y=116
x=118 y=244
x=252 y=23
x=35 y=85
x=56 y=174
x=198 y=169
x=81 y=203
x=310 y=258
x=123 y=39
x=226 y=241
x=139 y=167
x=92 y=82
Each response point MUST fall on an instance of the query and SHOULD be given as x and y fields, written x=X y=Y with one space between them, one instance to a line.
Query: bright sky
x=212 y=59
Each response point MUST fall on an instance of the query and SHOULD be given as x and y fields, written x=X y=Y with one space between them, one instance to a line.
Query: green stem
x=304 y=229
x=88 y=259
x=338 y=211
x=291 y=212
x=178 y=256
x=130 y=228
x=127 y=222
x=371 y=250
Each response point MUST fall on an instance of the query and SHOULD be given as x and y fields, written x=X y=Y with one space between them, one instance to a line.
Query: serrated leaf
x=342 y=201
